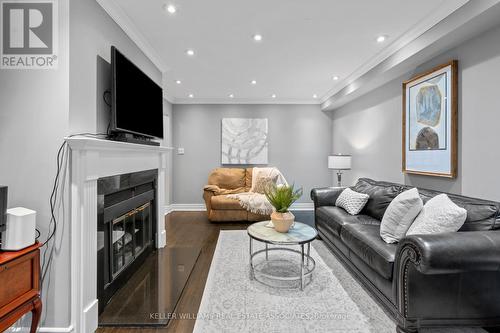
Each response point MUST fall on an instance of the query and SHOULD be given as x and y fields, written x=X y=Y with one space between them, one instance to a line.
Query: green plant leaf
x=282 y=197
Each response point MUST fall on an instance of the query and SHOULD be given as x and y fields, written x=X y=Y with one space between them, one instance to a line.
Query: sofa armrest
x=207 y=196
x=448 y=253
x=325 y=196
x=211 y=188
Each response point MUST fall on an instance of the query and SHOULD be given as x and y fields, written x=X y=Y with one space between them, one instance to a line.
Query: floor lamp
x=339 y=162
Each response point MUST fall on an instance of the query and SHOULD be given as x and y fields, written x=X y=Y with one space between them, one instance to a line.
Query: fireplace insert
x=126 y=228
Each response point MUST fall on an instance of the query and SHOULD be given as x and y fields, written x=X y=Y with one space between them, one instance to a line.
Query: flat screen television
x=137 y=101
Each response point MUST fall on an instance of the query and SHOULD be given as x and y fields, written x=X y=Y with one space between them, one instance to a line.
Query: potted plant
x=281 y=198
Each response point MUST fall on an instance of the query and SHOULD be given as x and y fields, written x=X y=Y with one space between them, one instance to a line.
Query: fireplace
x=126 y=228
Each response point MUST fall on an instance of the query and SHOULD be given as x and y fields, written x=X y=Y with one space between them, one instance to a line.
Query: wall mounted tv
x=137 y=102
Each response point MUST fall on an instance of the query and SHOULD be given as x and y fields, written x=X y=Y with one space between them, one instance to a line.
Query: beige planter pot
x=282 y=221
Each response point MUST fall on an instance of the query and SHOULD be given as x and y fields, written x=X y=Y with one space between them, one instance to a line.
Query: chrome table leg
x=308 y=253
x=267 y=256
x=302 y=267
x=250 y=253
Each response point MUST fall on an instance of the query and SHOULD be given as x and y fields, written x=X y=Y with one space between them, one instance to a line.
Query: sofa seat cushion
x=222 y=202
x=333 y=218
x=364 y=241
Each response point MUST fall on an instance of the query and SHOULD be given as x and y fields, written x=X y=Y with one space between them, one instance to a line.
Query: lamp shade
x=339 y=162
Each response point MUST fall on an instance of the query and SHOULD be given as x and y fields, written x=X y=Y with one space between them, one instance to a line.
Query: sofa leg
x=401 y=329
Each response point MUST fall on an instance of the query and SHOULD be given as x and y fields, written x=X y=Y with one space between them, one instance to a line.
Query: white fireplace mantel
x=90 y=160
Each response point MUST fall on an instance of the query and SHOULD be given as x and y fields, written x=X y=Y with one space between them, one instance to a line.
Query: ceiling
x=304 y=44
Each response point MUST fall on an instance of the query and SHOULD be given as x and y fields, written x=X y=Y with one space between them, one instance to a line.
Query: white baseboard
x=186 y=208
x=300 y=206
x=68 y=329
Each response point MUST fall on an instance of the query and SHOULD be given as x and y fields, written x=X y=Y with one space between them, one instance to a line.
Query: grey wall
x=299 y=143
x=370 y=127
x=168 y=142
x=33 y=122
x=92 y=34
x=39 y=108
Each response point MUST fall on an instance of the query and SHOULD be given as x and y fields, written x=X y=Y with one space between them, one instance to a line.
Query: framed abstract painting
x=430 y=129
x=244 y=141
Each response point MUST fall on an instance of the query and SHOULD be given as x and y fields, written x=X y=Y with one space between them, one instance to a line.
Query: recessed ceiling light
x=170 y=8
x=381 y=38
x=190 y=52
x=191 y=95
x=231 y=96
x=254 y=82
x=178 y=81
x=257 y=37
x=335 y=78
x=273 y=95
x=315 y=96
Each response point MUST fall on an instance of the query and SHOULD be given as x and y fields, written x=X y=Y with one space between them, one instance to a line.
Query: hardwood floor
x=188 y=229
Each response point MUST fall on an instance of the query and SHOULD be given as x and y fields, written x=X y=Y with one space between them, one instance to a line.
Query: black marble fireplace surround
x=126 y=226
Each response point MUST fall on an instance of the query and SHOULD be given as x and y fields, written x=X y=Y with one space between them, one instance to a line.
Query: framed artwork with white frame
x=430 y=122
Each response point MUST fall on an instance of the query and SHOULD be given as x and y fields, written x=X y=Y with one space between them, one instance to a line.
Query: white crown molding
x=166 y=93
x=411 y=34
x=127 y=25
x=298 y=206
x=469 y=20
x=246 y=101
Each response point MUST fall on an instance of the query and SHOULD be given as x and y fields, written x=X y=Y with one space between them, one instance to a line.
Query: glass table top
x=299 y=233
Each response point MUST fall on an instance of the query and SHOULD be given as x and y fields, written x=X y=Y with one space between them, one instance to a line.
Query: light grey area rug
x=332 y=302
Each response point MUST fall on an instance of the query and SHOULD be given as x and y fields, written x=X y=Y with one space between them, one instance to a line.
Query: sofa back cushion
x=481 y=214
x=248 y=178
x=228 y=178
x=381 y=194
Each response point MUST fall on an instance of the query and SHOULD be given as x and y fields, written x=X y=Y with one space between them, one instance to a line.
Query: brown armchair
x=224 y=181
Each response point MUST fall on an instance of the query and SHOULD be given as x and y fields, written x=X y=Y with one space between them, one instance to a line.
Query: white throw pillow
x=353 y=202
x=399 y=216
x=439 y=214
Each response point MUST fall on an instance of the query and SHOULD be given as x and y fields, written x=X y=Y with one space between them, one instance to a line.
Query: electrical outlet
x=180 y=151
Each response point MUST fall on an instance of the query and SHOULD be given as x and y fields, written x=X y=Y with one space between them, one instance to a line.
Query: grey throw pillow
x=353 y=202
x=439 y=214
x=400 y=215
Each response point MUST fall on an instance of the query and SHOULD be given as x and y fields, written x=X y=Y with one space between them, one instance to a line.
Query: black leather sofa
x=439 y=280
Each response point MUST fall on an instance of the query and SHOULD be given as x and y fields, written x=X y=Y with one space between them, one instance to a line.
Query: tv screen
x=137 y=101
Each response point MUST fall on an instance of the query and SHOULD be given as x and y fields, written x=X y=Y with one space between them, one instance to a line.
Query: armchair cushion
x=228 y=178
x=222 y=202
x=219 y=191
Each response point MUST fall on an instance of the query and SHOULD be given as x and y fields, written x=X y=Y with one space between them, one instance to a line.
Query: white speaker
x=20 y=229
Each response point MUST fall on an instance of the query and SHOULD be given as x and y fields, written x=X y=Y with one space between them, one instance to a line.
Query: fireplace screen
x=131 y=235
x=126 y=229
x=137 y=284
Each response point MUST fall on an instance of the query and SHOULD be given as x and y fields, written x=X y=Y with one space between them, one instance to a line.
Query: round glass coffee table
x=299 y=235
